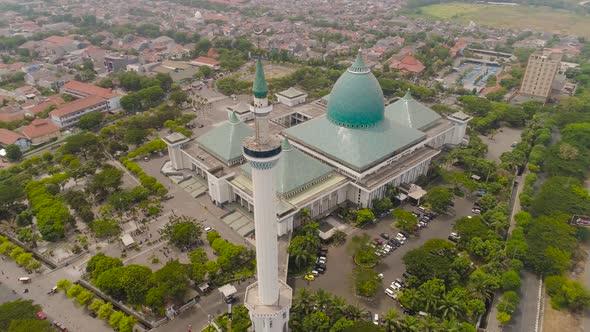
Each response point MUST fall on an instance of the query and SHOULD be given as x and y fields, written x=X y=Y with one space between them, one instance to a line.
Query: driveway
x=337 y=278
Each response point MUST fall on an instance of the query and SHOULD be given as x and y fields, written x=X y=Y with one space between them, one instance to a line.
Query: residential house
x=407 y=64
x=8 y=137
x=206 y=61
x=458 y=48
x=11 y=113
x=54 y=100
x=40 y=131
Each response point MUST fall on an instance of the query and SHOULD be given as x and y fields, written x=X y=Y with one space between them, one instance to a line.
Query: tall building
x=269 y=298
x=539 y=74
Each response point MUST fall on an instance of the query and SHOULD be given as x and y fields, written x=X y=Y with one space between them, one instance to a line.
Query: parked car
x=376 y=319
x=208 y=229
x=391 y=293
x=417 y=214
x=309 y=277
x=41 y=315
x=454 y=237
x=406 y=274
x=385 y=236
x=378 y=241
x=475 y=210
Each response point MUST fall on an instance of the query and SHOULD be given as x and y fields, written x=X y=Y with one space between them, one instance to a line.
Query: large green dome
x=356 y=100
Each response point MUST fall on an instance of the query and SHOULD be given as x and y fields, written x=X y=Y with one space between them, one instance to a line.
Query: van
x=389 y=292
x=376 y=319
x=24 y=280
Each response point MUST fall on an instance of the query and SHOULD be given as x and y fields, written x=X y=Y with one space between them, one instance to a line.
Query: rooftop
x=357 y=148
x=77 y=105
x=39 y=128
x=88 y=89
x=411 y=113
x=289 y=175
x=8 y=137
x=291 y=93
x=225 y=141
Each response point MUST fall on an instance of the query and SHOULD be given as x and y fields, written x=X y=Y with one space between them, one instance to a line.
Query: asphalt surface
x=338 y=280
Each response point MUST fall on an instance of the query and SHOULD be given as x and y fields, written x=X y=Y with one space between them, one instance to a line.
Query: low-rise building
x=40 y=131
x=291 y=97
x=8 y=137
x=67 y=115
x=80 y=90
x=206 y=61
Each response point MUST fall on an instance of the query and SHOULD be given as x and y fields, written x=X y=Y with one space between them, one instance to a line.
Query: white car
x=208 y=229
x=395 y=286
x=391 y=293
x=376 y=319
x=400 y=235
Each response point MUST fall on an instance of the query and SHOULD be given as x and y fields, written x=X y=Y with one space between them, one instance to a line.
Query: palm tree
x=322 y=299
x=304 y=216
x=449 y=306
x=430 y=299
x=482 y=286
x=338 y=308
x=338 y=238
x=450 y=326
x=429 y=324
x=300 y=257
x=410 y=324
x=303 y=302
x=354 y=312
x=391 y=323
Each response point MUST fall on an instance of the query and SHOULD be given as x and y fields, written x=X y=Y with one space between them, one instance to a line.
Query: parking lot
x=338 y=276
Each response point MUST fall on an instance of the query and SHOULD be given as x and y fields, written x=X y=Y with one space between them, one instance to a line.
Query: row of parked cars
x=320 y=264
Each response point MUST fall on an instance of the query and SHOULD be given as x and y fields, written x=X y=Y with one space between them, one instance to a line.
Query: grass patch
x=546 y=19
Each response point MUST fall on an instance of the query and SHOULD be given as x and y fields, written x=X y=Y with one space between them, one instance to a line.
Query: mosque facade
x=347 y=146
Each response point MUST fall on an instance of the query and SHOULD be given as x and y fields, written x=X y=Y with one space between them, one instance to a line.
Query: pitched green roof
x=260 y=89
x=225 y=141
x=357 y=148
x=410 y=113
x=295 y=170
x=356 y=100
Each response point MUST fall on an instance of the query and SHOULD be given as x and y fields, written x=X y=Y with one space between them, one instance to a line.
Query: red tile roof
x=88 y=89
x=207 y=60
x=58 y=40
x=39 y=128
x=458 y=47
x=42 y=106
x=8 y=137
x=212 y=53
x=407 y=63
x=76 y=105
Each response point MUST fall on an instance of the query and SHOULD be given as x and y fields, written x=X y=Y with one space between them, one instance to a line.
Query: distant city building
x=206 y=61
x=540 y=72
x=115 y=63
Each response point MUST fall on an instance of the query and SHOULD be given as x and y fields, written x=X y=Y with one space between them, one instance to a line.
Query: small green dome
x=356 y=99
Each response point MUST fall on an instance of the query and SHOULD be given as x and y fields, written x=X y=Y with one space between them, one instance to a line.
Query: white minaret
x=269 y=298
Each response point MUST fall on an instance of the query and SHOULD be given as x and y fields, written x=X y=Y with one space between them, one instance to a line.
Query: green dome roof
x=356 y=99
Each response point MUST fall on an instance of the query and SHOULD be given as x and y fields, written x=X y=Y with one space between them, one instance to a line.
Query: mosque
x=347 y=146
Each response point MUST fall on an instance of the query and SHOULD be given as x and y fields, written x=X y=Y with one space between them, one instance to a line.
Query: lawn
x=513 y=17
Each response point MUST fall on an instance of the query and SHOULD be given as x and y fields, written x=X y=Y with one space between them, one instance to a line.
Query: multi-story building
x=80 y=90
x=68 y=115
x=540 y=73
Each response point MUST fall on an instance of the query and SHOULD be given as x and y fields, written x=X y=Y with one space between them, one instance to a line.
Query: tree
x=405 y=220
x=364 y=216
x=510 y=280
x=439 y=198
x=74 y=291
x=100 y=263
x=30 y=325
x=240 y=319
x=105 y=227
x=90 y=120
x=178 y=97
x=106 y=181
x=13 y=152
x=365 y=282
x=317 y=321
x=95 y=305
x=116 y=318
x=105 y=310
x=503 y=317
x=339 y=238
x=183 y=231
x=84 y=297
x=19 y=309
x=434 y=259
x=126 y=323
x=64 y=285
